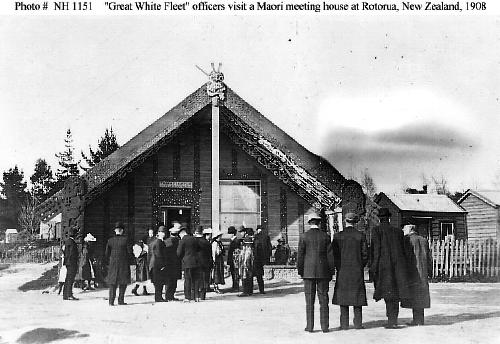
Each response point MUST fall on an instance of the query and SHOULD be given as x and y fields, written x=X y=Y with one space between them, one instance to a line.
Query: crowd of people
x=164 y=256
x=400 y=263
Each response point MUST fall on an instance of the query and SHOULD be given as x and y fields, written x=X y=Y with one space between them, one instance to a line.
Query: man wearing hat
x=388 y=267
x=188 y=253
x=71 y=263
x=419 y=266
x=350 y=253
x=315 y=266
x=157 y=263
x=233 y=246
x=205 y=260
x=263 y=250
x=173 y=263
x=118 y=253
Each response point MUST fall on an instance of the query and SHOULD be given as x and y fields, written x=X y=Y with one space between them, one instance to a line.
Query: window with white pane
x=240 y=203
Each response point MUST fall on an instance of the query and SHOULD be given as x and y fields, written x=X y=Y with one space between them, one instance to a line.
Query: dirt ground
x=460 y=313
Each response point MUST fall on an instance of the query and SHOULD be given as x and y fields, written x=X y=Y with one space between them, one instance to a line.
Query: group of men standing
x=399 y=268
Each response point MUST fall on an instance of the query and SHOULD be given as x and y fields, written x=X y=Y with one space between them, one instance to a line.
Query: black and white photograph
x=213 y=172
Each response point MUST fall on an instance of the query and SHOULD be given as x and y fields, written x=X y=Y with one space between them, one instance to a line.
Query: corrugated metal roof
x=425 y=202
x=489 y=196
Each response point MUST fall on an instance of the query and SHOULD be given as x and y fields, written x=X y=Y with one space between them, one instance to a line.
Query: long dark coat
x=157 y=261
x=351 y=255
x=205 y=253
x=173 y=262
x=261 y=253
x=218 y=268
x=266 y=248
x=188 y=252
x=388 y=268
x=315 y=255
x=118 y=253
x=419 y=264
x=70 y=254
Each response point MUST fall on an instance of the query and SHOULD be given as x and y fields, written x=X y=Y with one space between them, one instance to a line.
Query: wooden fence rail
x=459 y=259
x=40 y=255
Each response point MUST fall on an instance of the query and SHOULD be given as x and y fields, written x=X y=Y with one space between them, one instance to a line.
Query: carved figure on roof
x=215 y=86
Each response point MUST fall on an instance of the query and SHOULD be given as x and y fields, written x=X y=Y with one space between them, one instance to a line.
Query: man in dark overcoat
x=188 y=253
x=205 y=261
x=350 y=253
x=118 y=254
x=71 y=262
x=315 y=265
x=389 y=268
x=233 y=245
x=157 y=263
x=262 y=254
x=419 y=267
x=173 y=263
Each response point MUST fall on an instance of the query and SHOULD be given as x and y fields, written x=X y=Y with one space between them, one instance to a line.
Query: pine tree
x=106 y=145
x=13 y=189
x=42 y=181
x=68 y=166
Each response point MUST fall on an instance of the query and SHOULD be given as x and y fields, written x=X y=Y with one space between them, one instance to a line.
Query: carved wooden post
x=216 y=91
x=74 y=206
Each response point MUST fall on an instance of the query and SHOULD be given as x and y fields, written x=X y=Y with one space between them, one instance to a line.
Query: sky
x=405 y=98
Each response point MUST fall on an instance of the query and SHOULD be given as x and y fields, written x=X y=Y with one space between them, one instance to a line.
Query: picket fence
x=463 y=260
x=39 y=255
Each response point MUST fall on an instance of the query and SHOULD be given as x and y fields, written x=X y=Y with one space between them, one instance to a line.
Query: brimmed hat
x=351 y=218
x=162 y=229
x=176 y=228
x=249 y=231
x=384 y=212
x=314 y=217
x=119 y=225
x=207 y=231
x=89 y=237
x=231 y=230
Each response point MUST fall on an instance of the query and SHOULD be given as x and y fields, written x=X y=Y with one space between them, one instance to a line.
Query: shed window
x=240 y=203
x=447 y=230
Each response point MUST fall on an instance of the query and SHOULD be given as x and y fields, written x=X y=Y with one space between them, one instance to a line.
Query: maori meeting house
x=212 y=160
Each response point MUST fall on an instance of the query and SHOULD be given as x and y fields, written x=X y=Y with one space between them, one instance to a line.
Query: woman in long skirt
x=218 y=258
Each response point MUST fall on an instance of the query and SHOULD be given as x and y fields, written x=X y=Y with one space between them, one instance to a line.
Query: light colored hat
x=207 y=231
x=89 y=237
x=176 y=228
x=216 y=232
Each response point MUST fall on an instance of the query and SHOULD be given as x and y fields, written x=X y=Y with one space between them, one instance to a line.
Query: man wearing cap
x=419 y=266
x=205 y=260
x=315 y=266
x=188 y=253
x=157 y=263
x=233 y=246
x=173 y=263
x=350 y=253
x=388 y=267
x=71 y=263
x=118 y=253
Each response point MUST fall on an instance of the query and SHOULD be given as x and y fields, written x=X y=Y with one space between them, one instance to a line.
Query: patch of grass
x=48 y=279
x=47 y=335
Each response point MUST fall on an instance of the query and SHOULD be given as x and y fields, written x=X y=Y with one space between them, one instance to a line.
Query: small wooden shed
x=483 y=213
x=437 y=217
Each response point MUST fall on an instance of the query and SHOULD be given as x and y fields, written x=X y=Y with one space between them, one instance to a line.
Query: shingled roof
x=120 y=162
x=425 y=202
